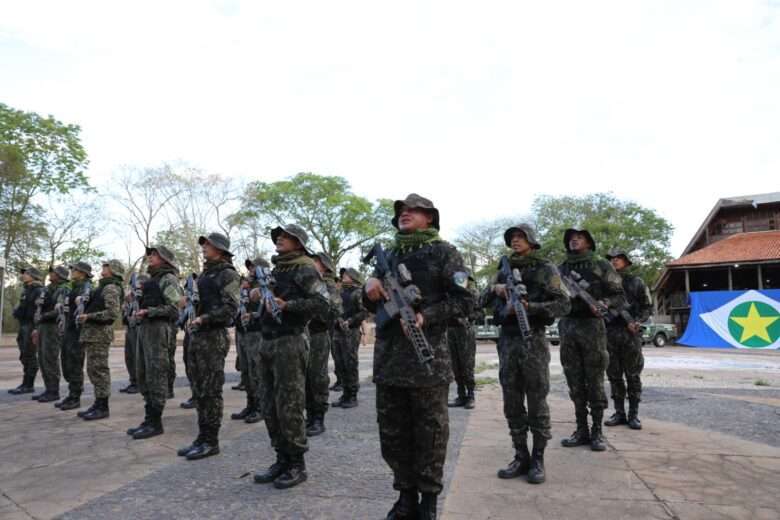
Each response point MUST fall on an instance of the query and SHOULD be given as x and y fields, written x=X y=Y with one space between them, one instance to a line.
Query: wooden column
x=760 y=278
x=687 y=284
x=731 y=285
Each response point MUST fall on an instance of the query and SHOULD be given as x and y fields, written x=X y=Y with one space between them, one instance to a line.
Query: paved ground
x=710 y=450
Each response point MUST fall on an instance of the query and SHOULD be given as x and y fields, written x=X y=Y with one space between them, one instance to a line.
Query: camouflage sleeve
x=641 y=301
x=172 y=293
x=52 y=314
x=489 y=296
x=362 y=313
x=614 y=296
x=556 y=298
x=368 y=304
x=111 y=297
x=458 y=301
x=230 y=289
x=315 y=303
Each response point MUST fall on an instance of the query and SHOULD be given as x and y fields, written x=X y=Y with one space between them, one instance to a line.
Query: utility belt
x=282 y=332
x=320 y=327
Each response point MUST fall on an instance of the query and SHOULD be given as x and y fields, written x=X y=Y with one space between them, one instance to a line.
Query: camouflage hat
x=573 y=231
x=294 y=230
x=60 y=271
x=117 y=268
x=34 y=273
x=414 y=201
x=256 y=262
x=217 y=240
x=165 y=253
x=354 y=274
x=525 y=229
x=82 y=267
x=614 y=253
x=326 y=261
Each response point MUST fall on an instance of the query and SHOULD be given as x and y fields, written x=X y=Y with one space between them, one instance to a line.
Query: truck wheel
x=659 y=340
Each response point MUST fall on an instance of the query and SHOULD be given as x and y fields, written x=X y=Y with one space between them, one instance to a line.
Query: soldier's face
x=619 y=263
x=26 y=278
x=209 y=252
x=154 y=260
x=76 y=275
x=54 y=277
x=412 y=219
x=286 y=243
x=346 y=279
x=105 y=272
x=320 y=266
x=519 y=243
x=578 y=243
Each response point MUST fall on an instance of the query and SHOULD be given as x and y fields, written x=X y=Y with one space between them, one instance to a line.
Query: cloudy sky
x=479 y=105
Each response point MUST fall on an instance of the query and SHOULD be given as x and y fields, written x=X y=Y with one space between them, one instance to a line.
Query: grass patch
x=698 y=377
x=482 y=366
x=485 y=381
x=761 y=382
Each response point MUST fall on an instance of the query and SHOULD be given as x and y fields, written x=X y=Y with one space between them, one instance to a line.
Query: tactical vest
x=97 y=304
x=210 y=294
x=75 y=292
x=287 y=289
x=151 y=294
x=27 y=307
x=536 y=293
x=349 y=305
x=48 y=303
x=592 y=273
x=255 y=324
x=319 y=325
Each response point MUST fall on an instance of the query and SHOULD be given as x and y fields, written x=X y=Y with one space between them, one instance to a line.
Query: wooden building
x=736 y=248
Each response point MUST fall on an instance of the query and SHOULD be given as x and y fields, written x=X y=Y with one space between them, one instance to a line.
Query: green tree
x=337 y=220
x=614 y=223
x=38 y=155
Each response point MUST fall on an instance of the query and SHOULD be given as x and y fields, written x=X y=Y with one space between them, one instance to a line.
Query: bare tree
x=72 y=226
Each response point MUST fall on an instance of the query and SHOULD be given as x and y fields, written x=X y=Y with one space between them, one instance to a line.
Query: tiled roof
x=742 y=247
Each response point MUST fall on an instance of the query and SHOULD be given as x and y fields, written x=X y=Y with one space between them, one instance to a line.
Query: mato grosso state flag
x=740 y=319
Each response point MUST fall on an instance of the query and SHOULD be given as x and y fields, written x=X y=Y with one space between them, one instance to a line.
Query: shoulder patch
x=461 y=279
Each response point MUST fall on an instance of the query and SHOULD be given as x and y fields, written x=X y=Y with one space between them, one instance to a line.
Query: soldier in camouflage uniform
x=463 y=351
x=50 y=332
x=320 y=340
x=72 y=350
x=347 y=336
x=525 y=364
x=251 y=335
x=300 y=295
x=131 y=334
x=25 y=314
x=97 y=333
x=218 y=290
x=411 y=403
x=156 y=316
x=625 y=344
x=584 y=355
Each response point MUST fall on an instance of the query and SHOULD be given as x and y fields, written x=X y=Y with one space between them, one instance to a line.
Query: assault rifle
x=516 y=292
x=39 y=307
x=264 y=279
x=578 y=287
x=132 y=307
x=243 y=316
x=403 y=296
x=82 y=301
x=62 y=309
x=187 y=314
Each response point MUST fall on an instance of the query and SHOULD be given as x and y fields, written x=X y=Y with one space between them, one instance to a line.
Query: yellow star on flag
x=754 y=324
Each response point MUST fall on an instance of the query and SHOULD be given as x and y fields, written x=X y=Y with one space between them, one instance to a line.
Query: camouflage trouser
x=524 y=372
x=463 y=350
x=625 y=359
x=97 y=367
x=317 y=381
x=206 y=359
x=28 y=352
x=283 y=367
x=73 y=362
x=338 y=357
x=348 y=348
x=239 y=357
x=251 y=342
x=172 y=355
x=131 y=335
x=413 y=431
x=152 y=361
x=49 y=346
x=185 y=354
x=584 y=358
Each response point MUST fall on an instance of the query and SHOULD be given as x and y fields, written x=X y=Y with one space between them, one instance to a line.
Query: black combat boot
x=348 y=400
x=619 y=417
x=469 y=404
x=240 y=416
x=520 y=464
x=460 y=400
x=633 y=415
x=91 y=409
x=274 y=471
x=208 y=448
x=316 y=426
x=337 y=387
x=254 y=416
x=427 y=508
x=51 y=395
x=189 y=404
x=171 y=394
x=70 y=403
x=182 y=452
x=131 y=388
x=294 y=474
x=153 y=427
x=99 y=412
x=536 y=471
x=35 y=397
x=597 y=442
x=405 y=507
x=240 y=387
x=26 y=387
x=144 y=423
x=581 y=436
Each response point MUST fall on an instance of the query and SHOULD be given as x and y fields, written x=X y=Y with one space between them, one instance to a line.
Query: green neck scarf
x=521 y=261
x=156 y=272
x=291 y=260
x=209 y=265
x=113 y=279
x=577 y=258
x=405 y=242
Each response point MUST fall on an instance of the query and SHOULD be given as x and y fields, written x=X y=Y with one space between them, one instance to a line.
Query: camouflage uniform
x=347 y=336
x=584 y=353
x=72 y=349
x=320 y=338
x=25 y=314
x=132 y=336
x=50 y=339
x=97 y=333
x=160 y=298
x=411 y=403
x=625 y=348
x=462 y=340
